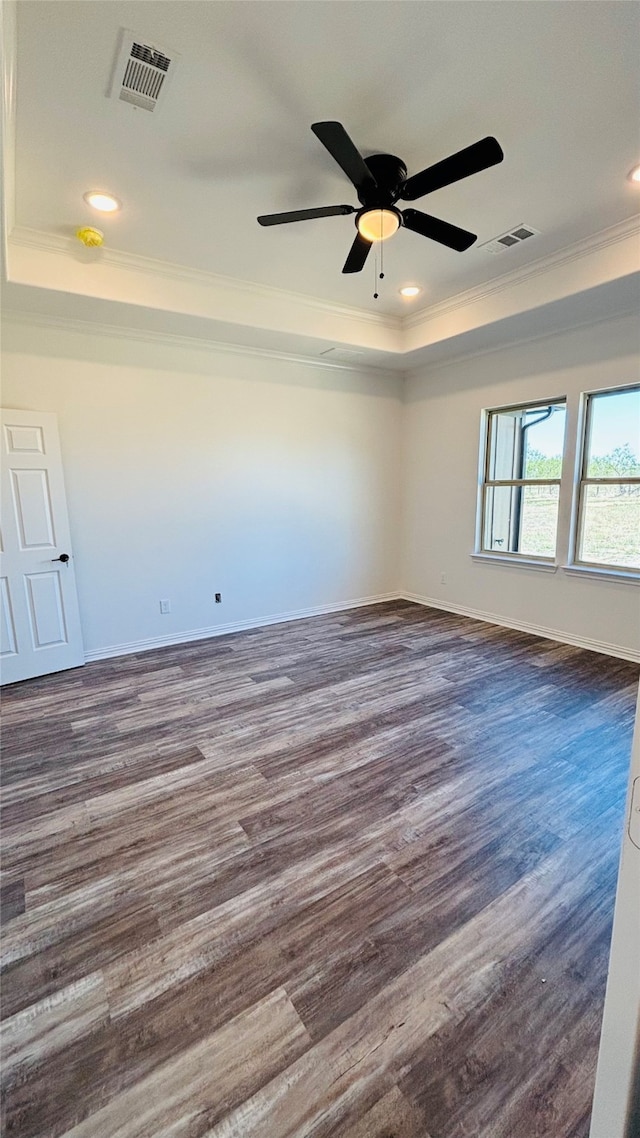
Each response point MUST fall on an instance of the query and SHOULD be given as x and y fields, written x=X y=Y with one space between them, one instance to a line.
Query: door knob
x=64 y=557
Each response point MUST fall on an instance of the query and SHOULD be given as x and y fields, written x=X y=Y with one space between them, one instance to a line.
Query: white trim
x=149 y=336
x=418 y=371
x=614 y=234
x=621 y=576
x=152 y=642
x=54 y=243
x=525 y=626
x=8 y=85
x=516 y=559
x=616 y=1085
x=222 y=347
x=24 y=237
x=532 y=405
x=613 y=388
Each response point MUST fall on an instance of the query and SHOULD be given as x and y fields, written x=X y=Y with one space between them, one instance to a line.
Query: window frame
x=582 y=481
x=484 y=482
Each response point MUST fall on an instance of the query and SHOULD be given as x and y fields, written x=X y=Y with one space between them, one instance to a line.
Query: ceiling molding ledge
x=460 y=351
x=8 y=85
x=56 y=243
x=58 y=263
x=93 y=328
x=600 y=259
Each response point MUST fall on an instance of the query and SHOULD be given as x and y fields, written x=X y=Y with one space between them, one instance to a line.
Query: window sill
x=523 y=562
x=626 y=577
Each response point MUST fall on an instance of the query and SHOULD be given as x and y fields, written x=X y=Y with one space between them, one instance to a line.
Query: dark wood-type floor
x=350 y=876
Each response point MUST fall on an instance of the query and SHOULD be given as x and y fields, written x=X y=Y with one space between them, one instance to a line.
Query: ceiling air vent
x=142 y=71
x=342 y=355
x=507 y=240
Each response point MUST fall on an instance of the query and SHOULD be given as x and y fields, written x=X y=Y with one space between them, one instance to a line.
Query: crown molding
x=417 y=371
x=8 y=84
x=605 y=238
x=173 y=339
x=59 y=245
x=25 y=237
x=223 y=347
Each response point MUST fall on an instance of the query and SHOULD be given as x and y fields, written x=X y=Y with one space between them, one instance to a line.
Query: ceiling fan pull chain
x=375 y=272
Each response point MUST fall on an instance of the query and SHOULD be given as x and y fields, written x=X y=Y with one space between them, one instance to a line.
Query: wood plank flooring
x=350 y=876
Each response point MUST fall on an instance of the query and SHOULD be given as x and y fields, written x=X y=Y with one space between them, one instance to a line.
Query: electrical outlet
x=443 y=578
x=218 y=598
x=165 y=607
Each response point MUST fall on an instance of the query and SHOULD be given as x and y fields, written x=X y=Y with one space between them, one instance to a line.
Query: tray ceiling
x=558 y=85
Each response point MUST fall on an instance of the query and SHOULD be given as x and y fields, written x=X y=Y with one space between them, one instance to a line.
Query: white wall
x=616 y=1105
x=191 y=471
x=442 y=409
x=278 y=483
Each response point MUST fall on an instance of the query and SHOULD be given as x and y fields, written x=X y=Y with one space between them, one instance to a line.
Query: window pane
x=521 y=519
x=614 y=435
x=611 y=526
x=526 y=442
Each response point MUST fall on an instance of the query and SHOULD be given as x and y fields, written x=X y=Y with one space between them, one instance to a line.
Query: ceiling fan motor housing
x=390 y=174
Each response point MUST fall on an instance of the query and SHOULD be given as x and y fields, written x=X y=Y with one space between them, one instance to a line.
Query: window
x=521 y=485
x=608 y=529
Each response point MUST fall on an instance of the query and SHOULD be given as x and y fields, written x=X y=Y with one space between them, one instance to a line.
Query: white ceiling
x=557 y=84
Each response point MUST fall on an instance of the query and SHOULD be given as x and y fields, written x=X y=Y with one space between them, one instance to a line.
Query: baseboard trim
x=152 y=642
x=524 y=626
x=148 y=644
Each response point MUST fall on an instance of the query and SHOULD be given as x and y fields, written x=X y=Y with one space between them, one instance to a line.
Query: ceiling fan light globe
x=378 y=224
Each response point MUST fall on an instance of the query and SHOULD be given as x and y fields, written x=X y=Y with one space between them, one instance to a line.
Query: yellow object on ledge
x=89 y=236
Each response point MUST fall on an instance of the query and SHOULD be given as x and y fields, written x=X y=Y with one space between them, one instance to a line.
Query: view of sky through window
x=547 y=436
x=615 y=423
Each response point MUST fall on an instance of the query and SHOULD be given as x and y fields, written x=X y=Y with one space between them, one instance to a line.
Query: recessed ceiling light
x=410 y=290
x=98 y=199
x=634 y=175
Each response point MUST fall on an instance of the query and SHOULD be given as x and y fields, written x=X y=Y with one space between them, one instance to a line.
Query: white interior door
x=40 y=622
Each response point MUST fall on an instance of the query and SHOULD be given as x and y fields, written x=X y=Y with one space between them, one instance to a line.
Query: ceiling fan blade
x=471 y=160
x=358 y=254
x=346 y=154
x=437 y=230
x=305 y=214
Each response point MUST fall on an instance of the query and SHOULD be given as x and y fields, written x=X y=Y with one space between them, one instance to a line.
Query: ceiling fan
x=380 y=181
